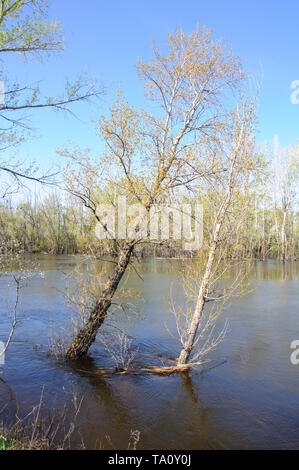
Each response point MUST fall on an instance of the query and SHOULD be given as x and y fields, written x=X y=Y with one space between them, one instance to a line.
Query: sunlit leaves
x=22 y=32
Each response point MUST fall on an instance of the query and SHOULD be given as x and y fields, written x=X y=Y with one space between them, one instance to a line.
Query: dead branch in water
x=14 y=317
x=155 y=370
x=164 y=370
x=144 y=370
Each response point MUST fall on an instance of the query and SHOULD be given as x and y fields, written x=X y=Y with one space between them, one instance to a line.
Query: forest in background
x=59 y=224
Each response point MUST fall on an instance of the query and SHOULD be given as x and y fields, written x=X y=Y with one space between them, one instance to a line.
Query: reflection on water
x=275 y=271
x=250 y=401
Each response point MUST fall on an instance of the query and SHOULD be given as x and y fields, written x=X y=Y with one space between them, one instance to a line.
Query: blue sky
x=106 y=38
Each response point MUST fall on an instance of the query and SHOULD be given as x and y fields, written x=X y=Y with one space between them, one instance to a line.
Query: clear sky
x=107 y=37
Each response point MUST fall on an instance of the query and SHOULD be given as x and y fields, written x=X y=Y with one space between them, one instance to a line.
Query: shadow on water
x=152 y=403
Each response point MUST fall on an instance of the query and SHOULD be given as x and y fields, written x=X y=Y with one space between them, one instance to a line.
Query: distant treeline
x=57 y=227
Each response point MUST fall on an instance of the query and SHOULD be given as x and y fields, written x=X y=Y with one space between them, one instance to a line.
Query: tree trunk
x=201 y=299
x=87 y=334
x=277 y=230
x=264 y=237
x=283 y=238
x=187 y=347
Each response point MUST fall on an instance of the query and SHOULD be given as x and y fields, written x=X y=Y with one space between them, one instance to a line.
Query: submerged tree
x=151 y=153
x=26 y=31
x=226 y=215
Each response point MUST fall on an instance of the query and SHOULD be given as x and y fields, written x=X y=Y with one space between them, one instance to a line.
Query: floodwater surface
x=247 y=397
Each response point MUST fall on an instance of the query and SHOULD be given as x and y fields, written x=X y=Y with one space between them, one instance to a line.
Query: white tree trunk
x=191 y=333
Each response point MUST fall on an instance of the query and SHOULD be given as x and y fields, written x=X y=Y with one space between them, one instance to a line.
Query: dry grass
x=41 y=430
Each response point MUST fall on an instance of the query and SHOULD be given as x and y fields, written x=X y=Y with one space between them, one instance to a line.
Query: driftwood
x=156 y=370
x=165 y=370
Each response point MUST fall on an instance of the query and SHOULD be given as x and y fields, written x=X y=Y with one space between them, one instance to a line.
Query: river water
x=247 y=397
